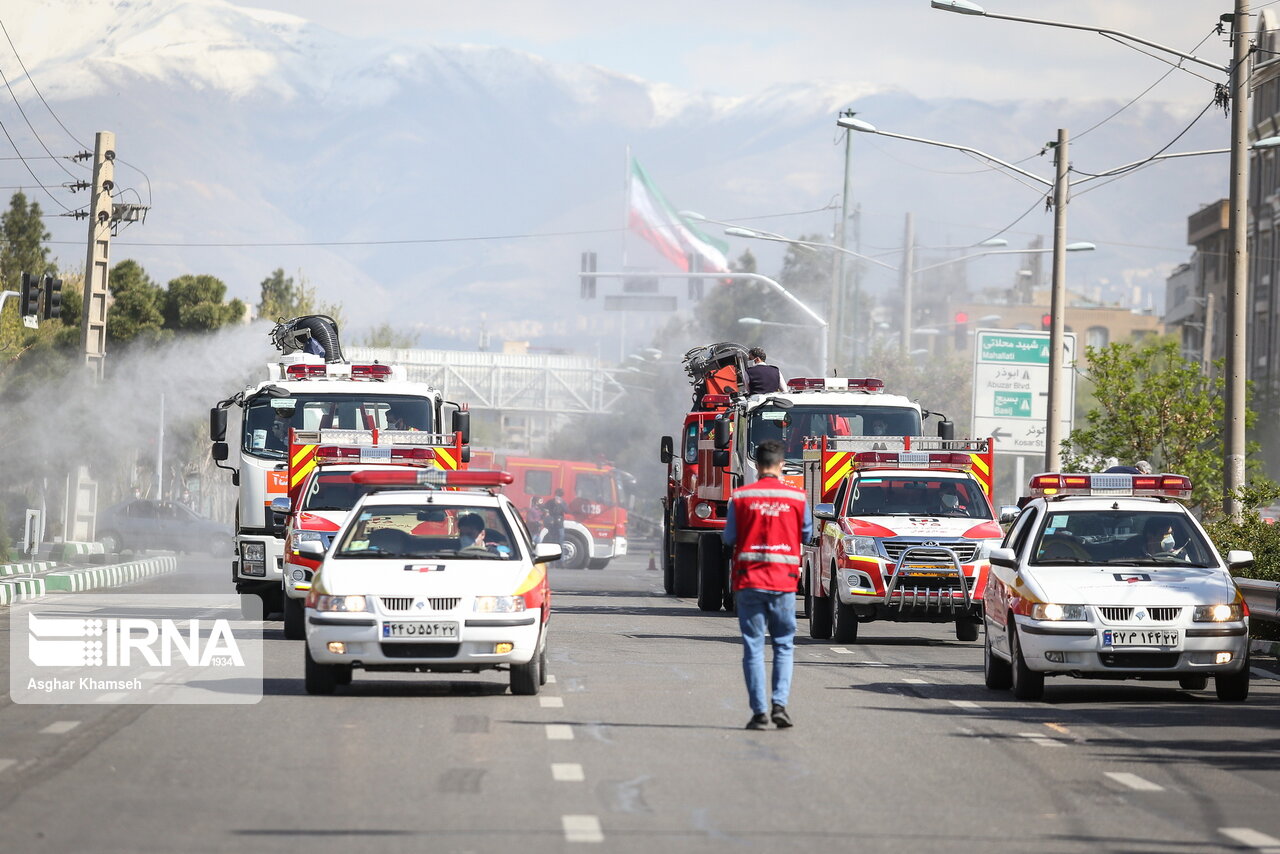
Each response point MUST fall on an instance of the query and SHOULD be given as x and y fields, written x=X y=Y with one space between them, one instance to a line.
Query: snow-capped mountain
x=429 y=186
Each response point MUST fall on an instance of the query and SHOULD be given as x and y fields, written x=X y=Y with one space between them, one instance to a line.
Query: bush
x=1252 y=534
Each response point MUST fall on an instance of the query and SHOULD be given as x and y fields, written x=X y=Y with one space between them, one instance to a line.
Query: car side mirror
x=309 y=548
x=946 y=429
x=281 y=504
x=546 y=552
x=824 y=511
x=1004 y=557
x=666 y=449
x=1009 y=514
x=721 y=434
x=1239 y=559
x=219 y=451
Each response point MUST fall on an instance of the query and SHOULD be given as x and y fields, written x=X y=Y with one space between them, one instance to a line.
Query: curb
x=27 y=588
x=75 y=580
x=7 y=569
x=1262 y=647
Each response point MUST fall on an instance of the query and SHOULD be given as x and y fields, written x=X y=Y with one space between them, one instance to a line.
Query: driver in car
x=1158 y=538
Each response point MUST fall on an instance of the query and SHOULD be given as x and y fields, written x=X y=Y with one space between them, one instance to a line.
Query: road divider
x=45 y=579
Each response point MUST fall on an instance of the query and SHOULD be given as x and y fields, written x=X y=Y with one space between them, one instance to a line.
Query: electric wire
x=1122 y=170
x=5 y=78
x=31 y=171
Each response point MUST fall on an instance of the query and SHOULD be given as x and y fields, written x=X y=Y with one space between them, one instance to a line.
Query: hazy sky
x=744 y=46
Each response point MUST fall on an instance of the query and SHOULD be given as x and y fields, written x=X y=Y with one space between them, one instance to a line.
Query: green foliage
x=137 y=308
x=22 y=250
x=941 y=383
x=282 y=297
x=1155 y=405
x=806 y=272
x=194 y=303
x=386 y=335
x=1252 y=534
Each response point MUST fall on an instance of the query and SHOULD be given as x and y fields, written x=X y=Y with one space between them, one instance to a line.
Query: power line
x=5 y=78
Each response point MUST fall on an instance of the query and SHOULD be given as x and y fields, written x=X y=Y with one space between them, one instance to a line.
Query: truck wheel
x=271 y=603
x=319 y=678
x=710 y=573
x=966 y=628
x=996 y=673
x=686 y=569
x=819 y=612
x=597 y=563
x=1028 y=684
x=806 y=598
x=576 y=551
x=294 y=615
x=668 y=560
x=844 y=622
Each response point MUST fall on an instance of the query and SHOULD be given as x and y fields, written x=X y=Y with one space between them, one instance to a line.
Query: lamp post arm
x=1115 y=33
x=841 y=249
x=996 y=160
x=1117 y=170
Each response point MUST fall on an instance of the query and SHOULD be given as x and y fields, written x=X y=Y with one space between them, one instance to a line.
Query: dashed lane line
x=60 y=727
x=551 y=679
x=559 y=732
x=1252 y=838
x=1041 y=740
x=567 y=772
x=913 y=681
x=582 y=828
x=551 y=702
x=964 y=704
x=842 y=650
x=1133 y=781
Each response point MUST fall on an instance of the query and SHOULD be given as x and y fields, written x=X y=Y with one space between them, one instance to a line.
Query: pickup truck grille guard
x=898 y=593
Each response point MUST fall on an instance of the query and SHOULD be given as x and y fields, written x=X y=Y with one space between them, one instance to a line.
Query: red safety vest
x=768 y=516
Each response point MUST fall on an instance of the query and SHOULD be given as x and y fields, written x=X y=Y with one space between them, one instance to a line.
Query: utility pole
x=1057 y=309
x=93 y=337
x=835 y=313
x=908 y=273
x=1238 y=267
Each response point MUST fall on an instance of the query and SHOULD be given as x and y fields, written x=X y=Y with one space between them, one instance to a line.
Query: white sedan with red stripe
x=428 y=580
x=1107 y=576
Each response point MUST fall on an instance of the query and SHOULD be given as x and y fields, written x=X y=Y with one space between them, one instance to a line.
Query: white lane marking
x=1249 y=836
x=842 y=650
x=1133 y=781
x=559 y=732
x=581 y=828
x=965 y=704
x=551 y=680
x=911 y=681
x=551 y=702
x=1041 y=740
x=60 y=727
x=5 y=763
x=567 y=772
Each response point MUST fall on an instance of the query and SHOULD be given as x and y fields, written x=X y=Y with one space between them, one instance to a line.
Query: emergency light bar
x=371 y=372
x=432 y=477
x=355 y=372
x=867 y=384
x=1138 y=485
x=302 y=372
x=710 y=400
x=413 y=456
x=352 y=438
x=913 y=459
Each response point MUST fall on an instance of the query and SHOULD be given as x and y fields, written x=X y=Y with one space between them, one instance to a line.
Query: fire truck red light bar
x=715 y=400
x=375 y=372
x=835 y=384
x=374 y=454
x=302 y=372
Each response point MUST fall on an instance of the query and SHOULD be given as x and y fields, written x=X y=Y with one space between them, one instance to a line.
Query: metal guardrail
x=1263 y=598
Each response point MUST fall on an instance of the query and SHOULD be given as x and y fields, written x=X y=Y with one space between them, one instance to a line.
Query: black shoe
x=781 y=719
x=760 y=721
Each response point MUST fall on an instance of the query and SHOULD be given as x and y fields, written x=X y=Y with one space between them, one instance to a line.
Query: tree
x=1155 y=405
x=281 y=297
x=22 y=250
x=386 y=335
x=137 y=307
x=194 y=303
x=942 y=384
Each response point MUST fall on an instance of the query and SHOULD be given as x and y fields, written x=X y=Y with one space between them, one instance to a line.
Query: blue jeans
x=758 y=609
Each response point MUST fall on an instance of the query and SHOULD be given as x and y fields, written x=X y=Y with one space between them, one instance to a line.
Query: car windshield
x=792 y=426
x=267 y=420
x=424 y=531
x=918 y=496
x=332 y=491
x=1121 y=538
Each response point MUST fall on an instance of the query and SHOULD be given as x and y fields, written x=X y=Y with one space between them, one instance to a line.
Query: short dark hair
x=471 y=520
x=560 y=493
x=769 y=453
x=756 y=353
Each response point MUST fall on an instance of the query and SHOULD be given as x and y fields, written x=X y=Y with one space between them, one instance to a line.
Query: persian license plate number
x=420 y=631
x=1140 y=637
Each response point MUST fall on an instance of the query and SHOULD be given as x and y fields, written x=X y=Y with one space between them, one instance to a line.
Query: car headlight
x=985 y=547
x=1216 y=613
x=702 y=511
x=1051 y=611
x=859 y=546
x=499 y=604
x=253 y=551
x=325 y=602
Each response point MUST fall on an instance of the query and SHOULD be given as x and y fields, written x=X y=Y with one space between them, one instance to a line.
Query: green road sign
x=1014 y=404
x=1014 y=348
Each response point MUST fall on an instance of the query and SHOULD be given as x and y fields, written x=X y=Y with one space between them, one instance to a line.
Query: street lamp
x=1237 y=290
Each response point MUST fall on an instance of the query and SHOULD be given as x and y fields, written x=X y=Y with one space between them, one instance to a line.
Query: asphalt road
x=638 y=746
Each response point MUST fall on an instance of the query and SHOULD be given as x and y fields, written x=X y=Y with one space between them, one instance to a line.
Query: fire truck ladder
x=894 y=594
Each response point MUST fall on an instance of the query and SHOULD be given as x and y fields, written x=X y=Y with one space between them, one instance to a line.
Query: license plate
x=1140 y=637
x=420 y=631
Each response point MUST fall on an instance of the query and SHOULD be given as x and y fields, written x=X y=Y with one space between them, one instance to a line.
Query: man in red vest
x=766 y=523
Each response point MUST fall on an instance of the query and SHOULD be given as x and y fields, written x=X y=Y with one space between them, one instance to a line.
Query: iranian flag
x=654 y=219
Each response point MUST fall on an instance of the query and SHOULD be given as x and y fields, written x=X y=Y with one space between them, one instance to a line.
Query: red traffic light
x=1046 y=320
x=962 y=317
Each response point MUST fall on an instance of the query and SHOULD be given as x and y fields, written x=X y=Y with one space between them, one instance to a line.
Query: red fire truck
x=595 y=521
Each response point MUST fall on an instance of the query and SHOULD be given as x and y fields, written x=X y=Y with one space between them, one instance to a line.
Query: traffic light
x=587 y=286
x=52 y=297
x=1046 y=321
x=30 y=295
x=962 y=329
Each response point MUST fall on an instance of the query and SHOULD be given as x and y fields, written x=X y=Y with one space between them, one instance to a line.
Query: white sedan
x=429 y=580
x=1104 y=576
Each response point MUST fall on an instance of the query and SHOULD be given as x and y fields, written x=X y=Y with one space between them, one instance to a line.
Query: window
x=691 y=442
x=537 y=482
x=1120 y=538
x=423 y=531
x=267 y=420
x=1097 y=336
x=594 y=488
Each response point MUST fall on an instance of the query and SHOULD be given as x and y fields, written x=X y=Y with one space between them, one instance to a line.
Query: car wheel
x=1233 y=687
x=576 y=551
x=526 y=679
x=819 y=614
x=111 y=543
x=598 y=563
x=686 y=569
x=1027 y=684
x=996 y=673
x=966 y=628
x=844 y=622
x=294 y=616
x=343 y=674
x=710 y=572
x=542 y=665
x=1193 y=683
x=319 y=678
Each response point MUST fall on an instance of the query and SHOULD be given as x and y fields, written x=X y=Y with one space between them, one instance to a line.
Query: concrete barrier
x=15 y=590
x=92 y=578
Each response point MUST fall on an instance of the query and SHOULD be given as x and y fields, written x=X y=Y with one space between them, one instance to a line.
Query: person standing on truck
x=762 y=378
x=766 y=523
